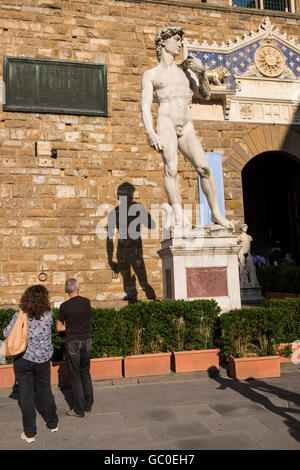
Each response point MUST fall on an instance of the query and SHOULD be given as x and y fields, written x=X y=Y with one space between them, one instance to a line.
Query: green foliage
x=291 y=327
x=252 y=331
x=149 y=328
x=5 y=318
x=280 y=279
x=178 y=325
x=108 y=333
x=175 y=325
x=144 y=327
x=195 y=323
x=57 y=339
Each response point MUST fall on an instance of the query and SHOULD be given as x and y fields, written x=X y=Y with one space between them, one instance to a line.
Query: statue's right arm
x=110 y=238
x=147 y=99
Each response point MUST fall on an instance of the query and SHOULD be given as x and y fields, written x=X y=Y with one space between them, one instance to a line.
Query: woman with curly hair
x=32 y=368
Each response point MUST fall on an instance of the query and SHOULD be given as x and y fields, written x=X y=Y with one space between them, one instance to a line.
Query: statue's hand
x=114 y=267
x=154 y=141
x=194 y=64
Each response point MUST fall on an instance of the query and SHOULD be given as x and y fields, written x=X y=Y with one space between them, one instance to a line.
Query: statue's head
x=164 y=34
x=244 y=228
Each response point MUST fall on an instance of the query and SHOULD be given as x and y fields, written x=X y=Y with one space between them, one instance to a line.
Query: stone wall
x=49 y=206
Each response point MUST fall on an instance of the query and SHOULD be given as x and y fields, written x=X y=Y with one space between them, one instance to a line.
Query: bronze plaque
x=206 y=282
x=54 y=86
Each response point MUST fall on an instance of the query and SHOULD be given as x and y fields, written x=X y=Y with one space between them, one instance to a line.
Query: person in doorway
x=75 y=319
x=259 y=260
x=276 y=258
x=32 y=368
x=289 y=261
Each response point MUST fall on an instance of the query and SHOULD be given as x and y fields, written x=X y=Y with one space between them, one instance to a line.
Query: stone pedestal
x=204 y=266
x=252 y=295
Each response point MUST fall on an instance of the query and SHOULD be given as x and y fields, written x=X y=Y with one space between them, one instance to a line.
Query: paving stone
x=231 y=441
x=194 y=414
x=228 y=409
x=155 y=415
x=178 y=431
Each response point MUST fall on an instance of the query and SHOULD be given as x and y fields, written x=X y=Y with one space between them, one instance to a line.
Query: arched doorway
x=271 y=192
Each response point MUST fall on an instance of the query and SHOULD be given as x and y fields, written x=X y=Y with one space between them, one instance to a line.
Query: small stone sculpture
x=247 y=269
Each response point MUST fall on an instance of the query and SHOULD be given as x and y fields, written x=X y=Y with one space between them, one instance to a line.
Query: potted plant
x=249 y=342
x=195 y=332
x=149 y=332
x=287 y=338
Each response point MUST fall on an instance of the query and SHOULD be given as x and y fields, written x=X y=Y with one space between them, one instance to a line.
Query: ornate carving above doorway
x=262 y=74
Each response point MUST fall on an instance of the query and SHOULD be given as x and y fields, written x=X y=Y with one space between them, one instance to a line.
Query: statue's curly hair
x=166 y=33
x=35 y=301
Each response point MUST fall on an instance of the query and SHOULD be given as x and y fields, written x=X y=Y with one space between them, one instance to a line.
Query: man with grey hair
x=75 y=319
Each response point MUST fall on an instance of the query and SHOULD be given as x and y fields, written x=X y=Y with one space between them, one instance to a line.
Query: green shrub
x=195 y=324
x=290 y=307
x=5 y=318
x=280 y=279
x=108 y=333
x=251 y=331
x=149 y=328
x=144 y=327
x=175 y=325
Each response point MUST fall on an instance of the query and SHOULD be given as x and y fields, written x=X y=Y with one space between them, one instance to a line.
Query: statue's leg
x=167 y=134
x=191 y=148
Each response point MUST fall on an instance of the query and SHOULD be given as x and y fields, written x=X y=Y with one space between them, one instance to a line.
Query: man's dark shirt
x=76 y=313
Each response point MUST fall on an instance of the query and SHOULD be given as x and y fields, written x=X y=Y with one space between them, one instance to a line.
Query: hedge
x=260 y=330
x=291 y=309
x=280 y=279
x=178 y=325
x=144 y=327
x=252 y=331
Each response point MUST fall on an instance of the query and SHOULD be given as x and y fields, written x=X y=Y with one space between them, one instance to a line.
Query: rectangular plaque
x=206 y=282
x=54 y=86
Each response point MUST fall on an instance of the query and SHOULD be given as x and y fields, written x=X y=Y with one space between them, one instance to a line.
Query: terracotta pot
x=189 y=361
x=147 y=364
x=106 y=368
x=254 y=367
x=7 y=375
x=103 y=368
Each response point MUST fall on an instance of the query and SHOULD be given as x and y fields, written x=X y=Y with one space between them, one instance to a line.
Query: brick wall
x=49 y=207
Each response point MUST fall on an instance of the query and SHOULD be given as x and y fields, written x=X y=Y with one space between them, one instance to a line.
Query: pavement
x=175 y=412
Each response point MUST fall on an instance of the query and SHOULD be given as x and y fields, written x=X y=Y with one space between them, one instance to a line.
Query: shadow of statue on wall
x=127 y=219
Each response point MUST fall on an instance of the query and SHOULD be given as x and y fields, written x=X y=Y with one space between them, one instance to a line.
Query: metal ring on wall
x=42 y=277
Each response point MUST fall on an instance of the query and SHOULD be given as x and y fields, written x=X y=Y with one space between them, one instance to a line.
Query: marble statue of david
x=173 y=86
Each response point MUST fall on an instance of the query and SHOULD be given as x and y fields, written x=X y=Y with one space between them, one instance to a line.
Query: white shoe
x=54 y=429
x=27 y=439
